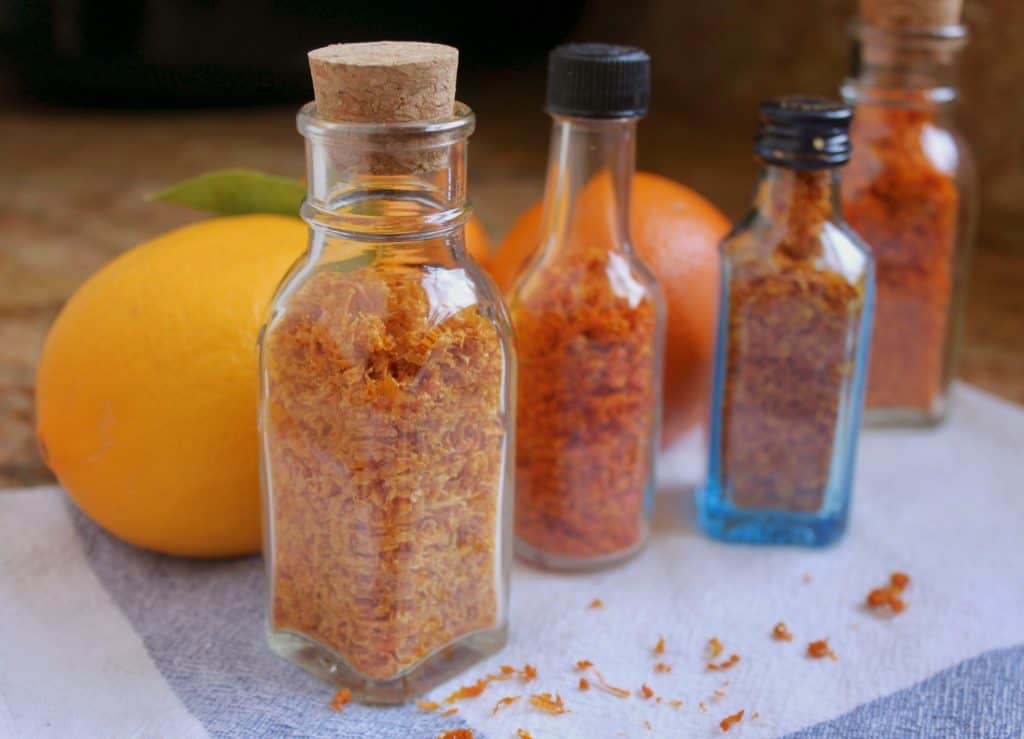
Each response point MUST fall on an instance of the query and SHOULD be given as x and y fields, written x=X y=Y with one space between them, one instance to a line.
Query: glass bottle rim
x=459 y=126
x=954 y=35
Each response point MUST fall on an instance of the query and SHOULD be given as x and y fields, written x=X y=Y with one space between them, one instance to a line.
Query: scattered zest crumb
x=507 y=701
x=619 y=692
x=755 y=716
x=662 y=667
x=450 y=712
x=341 y=698
x=728 y=722
x=508 y=670
x=733 y=659
x=596 y=603
x=890 y=596
x=658 y=700
x=676 y=703
x=781 y=632
x=807 y=577
x=584 y=684
x=719 y=694
x=457 y=734
x=523 y=734
x=428 y=705
x=469 y=691
x=819 y=649
x=645 y=691
x=647 y=725
x=528 y=673
x=548 y=703
x=584 y=664
x=702 y=707
x=659 y=648
x=715 y=646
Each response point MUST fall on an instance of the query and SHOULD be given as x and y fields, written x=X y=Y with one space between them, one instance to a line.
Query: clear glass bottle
x=791 y=353
x=909 y=191
x=590 y=324
x=387 y=392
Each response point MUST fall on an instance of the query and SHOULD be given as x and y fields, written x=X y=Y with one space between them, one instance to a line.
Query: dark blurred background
x=101 y=103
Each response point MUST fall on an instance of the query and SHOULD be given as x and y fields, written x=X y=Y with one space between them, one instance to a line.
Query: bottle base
x=734 y=525
x=559 y=563
x=434 y=669
x=888 y=417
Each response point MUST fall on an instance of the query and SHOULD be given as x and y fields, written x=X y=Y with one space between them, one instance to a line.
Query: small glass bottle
x=791 y=354
x=590 y=324
x=909 y=191
x=387 y=388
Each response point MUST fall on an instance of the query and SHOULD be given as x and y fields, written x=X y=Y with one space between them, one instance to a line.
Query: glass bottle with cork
x=590 y=324
x=909 y=191
x=797 y=290
x=387 y=388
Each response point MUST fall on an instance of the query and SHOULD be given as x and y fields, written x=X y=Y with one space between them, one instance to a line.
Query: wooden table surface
x=72 y=187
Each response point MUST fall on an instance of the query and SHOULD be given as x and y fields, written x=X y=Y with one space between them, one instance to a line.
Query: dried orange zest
x=662 y=667
x=676 y=703
x=457 y=734
x=755 y=716
x=548 y=703
x=341 y=698
x=715 y=646
x=507 y=701
x=899 y=580
x=781 y=632
x=659 y=648
x=645 y=691
x=528 y=673
x=596 y=603
x=733 y=659
x=468 y=691
x=450 y=712
x=620 y=692
x=728 y=722
x=819 y=649
x=584 y=664
x=508 y=670
x=523 y=734
x=584 y=684
x=647 y=725
x=702 y=707
x=428 y=705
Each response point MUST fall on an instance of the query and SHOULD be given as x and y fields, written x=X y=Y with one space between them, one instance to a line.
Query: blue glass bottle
x=797 y=291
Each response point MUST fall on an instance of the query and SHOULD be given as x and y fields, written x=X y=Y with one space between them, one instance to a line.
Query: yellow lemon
x=147 y=387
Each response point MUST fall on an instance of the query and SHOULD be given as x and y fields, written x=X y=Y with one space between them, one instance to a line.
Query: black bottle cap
x=803 y=132
x=598 y=81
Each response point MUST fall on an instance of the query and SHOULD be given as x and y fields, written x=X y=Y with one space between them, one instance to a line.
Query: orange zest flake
x=341 y=699
x=523 y=734
x=806 y=578
x=659 y=648
x=755 y=716
x=702 y=707
x=715 y=646
x=890 y=596
x=620 y=692
x=548 y=703
x=719 y=694
x=728 y=722
x=508 y=670
x=781 y=632
x=428 y=705
x=647 y=725
x=733 y=659
x=450 y=712
x=469 y=691
x=584 y=664
x=676 y=703
x=662 y=667
x=645 y=691
x=528 y=673
x=596 y=603
x=457 y=734
x=584 y=684
x=506 y=701
x=819 y=649
x=899 y=580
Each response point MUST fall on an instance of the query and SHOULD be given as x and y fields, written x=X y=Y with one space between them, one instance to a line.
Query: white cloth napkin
x=100 y=639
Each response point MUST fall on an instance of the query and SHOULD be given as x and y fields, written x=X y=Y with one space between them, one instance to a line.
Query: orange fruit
x=478 y=243
x=676 y=232
x=147 y=386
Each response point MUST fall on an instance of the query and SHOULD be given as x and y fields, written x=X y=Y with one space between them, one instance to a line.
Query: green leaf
x=232 y=192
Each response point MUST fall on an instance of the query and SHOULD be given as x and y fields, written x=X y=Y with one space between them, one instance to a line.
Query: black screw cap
x=598 y=81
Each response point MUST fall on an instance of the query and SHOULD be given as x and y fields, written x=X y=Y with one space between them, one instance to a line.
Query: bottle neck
x=908 y=68
x=386 y=182
x=797 y=204
x=590 y=174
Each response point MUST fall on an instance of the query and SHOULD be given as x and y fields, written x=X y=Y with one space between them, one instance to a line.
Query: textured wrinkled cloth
x=98 y=639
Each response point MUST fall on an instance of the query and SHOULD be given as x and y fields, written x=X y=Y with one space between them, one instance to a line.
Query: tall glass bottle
x=791 y=355
x=387 y=388
x=590 y=324
x=909 y=191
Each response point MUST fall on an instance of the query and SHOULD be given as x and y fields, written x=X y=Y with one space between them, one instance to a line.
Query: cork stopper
x=384 y=81
x=901 y=15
